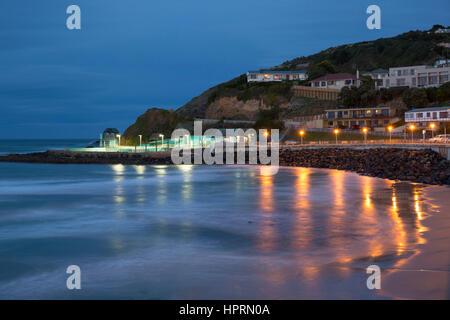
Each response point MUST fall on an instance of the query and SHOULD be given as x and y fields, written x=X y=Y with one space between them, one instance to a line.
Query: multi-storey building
x=413 y=77
x=423 y=116
x=374 y=118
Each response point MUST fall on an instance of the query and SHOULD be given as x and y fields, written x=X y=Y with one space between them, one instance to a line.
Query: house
x=335 y=81
x=416 y=77
x=379 y=75
x=423 y=116
x=374 y=118
x=270 y=75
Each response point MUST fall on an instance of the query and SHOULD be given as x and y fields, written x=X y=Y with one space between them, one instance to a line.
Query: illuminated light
x=266 y=133
x=302 y=132
x=185 y=167
x=390 y=128
x=118 y=168
x=412 y=127
x=140 y=170
x=336 y=131
x=365 y=130
x=432 y=126
x=268 y=170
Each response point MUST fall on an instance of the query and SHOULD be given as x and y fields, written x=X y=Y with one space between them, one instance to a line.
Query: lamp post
x=390 y=128
x=140 y=140
x=365 y=135
x=432 y=126
x=336 y=132
x=302 y=133
x=118 y=136
x=412 y=127
x=162 y=141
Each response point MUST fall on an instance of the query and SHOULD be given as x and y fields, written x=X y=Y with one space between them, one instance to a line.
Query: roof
x=377 y=71
x=336 y=76
x=360 y=108
x=429 y=109
x=279 y=72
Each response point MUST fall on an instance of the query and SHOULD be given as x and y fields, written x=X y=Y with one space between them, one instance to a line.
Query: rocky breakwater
x=68 y=157
x=423 y=166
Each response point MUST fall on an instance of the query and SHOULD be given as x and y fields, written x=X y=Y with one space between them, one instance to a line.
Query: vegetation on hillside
x=365 y=95
x=410 y=48
x=271 y=93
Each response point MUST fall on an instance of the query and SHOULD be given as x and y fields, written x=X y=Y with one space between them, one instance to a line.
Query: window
x=253 y=76
x=266 y=76
x=386 y=122
x=433 y=79
x=323 y=84
x=385 y=112
x=316 y=84
x=330 y=82
x=443 y=114
x=422 y=81
x=339 y=114
x=414 y=82
x=420 y=115
x=444 y=78
x=330 y=115
x=413 y=72
x=428 y=114
x=401 y=82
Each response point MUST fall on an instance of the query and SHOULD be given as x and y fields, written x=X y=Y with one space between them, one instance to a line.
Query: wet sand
x=426 y=274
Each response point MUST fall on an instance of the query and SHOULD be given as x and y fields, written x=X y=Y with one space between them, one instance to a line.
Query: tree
x=320 y=69
x=415 y=97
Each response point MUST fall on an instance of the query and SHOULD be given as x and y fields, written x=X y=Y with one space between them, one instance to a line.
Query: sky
x=136 y=54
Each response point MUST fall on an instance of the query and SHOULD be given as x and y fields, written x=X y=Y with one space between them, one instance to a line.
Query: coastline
x=421 y=166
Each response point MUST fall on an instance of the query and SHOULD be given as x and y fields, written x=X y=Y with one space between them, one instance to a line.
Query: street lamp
x=118 y=136
x=336 y=132
x=432 y=126
x=140 y=140
x=365 y=135
x=390 y=128
x=301 y=133
x=162 y=140
x=412 y=127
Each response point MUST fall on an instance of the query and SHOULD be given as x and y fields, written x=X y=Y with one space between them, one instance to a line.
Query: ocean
x=200 y=232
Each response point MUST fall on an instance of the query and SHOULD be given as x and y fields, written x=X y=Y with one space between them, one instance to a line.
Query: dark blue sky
x=135 y=54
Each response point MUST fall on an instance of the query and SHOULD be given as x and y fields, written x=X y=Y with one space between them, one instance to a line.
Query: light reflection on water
x=282 y=235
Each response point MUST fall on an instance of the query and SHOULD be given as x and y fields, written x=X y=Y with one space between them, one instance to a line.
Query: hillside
x=410 y=48
x=237 y=99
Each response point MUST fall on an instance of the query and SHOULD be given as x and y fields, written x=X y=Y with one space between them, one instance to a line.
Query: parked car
x=440 y=138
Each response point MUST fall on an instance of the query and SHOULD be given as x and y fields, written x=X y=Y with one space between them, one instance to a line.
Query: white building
x=415 y=77
x=335 y=81
x=379 y=75
x=268 y=76
x=426 y=115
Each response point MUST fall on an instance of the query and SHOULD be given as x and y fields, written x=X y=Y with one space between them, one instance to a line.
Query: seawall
x=423 y=165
